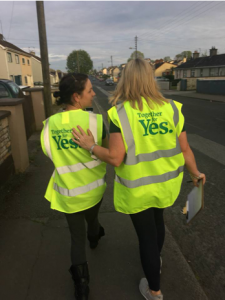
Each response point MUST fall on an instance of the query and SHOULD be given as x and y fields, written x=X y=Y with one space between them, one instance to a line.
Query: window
x=23 y=61
x=221 y=71
x=201 y=72
x=25 y=77
x=11 y=77
x=213 y=72
x=9 y=57
x=185 y=73
x=3 y=92
x=28 y=62
x=192 y=73
x=17 y=59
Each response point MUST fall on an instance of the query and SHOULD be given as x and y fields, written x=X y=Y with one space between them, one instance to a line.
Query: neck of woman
x=72 y=107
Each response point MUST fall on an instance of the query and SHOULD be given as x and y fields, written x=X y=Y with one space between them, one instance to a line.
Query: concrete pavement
x=35 y=247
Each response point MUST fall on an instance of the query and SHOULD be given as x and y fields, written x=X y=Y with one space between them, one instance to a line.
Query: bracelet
x=92 y=147
x=195 y=177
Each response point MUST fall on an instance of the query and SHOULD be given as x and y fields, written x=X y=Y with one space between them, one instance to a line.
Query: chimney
x=1 y=37
x=213 y=51
x=32 y=52
x=195 y=54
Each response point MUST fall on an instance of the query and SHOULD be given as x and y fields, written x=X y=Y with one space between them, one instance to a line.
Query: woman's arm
x=190 y=162
x=114 y=155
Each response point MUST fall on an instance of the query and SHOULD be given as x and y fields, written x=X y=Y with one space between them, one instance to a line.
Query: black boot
x=93 y=240
x=80 y=275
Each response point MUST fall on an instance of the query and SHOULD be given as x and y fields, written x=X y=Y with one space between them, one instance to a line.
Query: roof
x=159 y=65
x=207 y=61
x=37 y=57
x=13 y=47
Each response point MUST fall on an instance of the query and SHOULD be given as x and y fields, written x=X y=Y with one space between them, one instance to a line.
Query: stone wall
x=5 y=144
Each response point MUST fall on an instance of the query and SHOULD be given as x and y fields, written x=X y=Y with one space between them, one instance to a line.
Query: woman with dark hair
x=148 y=147
x=77 y=185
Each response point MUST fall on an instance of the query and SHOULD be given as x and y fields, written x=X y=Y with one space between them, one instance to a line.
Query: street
x=201 y=242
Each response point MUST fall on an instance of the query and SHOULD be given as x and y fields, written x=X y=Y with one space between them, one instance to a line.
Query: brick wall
x=7 y=167
x=5 y=144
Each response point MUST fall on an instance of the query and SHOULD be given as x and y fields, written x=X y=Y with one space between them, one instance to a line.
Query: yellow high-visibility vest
x=152 y=171
x=78 y=181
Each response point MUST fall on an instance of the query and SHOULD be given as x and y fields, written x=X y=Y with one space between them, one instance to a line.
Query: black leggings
x=150 y=228
x=76 y=222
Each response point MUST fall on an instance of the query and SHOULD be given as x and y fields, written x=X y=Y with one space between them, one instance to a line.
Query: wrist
x=195 y=176
x=92 y=148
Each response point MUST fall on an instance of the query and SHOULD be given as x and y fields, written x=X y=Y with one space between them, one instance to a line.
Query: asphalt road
x=201 y=242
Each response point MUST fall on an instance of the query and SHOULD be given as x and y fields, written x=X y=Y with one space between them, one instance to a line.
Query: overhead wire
x=11 y=19
x=166 y=23
x=186 y=21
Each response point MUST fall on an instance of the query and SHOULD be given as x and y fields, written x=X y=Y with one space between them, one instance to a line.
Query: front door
x=18 y=80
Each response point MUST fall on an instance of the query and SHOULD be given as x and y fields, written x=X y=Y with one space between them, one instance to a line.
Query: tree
x=133 y=55
x=167 y=58
x=204 y=54
x=79 y=61
x=187 y=54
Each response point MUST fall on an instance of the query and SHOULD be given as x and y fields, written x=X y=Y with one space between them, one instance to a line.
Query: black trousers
x=150 y=229
x=76 y=222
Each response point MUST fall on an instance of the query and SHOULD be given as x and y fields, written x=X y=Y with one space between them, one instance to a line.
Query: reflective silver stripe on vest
x=130 y=158
x=79 y=190
x=78 y=167
x=93 y=126
x=149 y=179
x=176 y=113
x=47 y=139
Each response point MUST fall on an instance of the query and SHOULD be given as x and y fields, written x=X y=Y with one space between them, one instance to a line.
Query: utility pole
x=102 y=66
x=135 y=39
x=44 y=58
x=78 y=66
x=111 y=60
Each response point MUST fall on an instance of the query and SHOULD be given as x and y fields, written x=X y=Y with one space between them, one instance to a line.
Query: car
x=9 y=89
x=109 y=82
x=38 y=83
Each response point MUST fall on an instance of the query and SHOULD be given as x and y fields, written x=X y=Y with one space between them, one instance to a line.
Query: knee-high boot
x=80 y=275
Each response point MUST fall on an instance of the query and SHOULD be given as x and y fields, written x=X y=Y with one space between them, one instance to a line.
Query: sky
x=108 y=28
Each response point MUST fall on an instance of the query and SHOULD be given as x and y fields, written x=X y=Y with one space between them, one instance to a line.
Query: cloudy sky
x=108 y=28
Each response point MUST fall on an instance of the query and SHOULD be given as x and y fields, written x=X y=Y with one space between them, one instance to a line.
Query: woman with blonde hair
x=148 y=147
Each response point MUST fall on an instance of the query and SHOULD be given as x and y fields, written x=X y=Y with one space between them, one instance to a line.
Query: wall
x=3 y=64
x=36 y=69
x=163 y=85
x=213 y=87
x=13 y=67
x=26 y=71
x=6 y=160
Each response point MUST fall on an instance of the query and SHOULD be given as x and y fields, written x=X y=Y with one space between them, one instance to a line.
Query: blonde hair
x=138 y=81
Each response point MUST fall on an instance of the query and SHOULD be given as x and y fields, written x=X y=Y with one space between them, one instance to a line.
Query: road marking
x=207 y=147
x=103 y=91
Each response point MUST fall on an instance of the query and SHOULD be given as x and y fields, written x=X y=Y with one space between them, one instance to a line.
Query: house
x=162 y=67
x=115 y=72
x=208 y=67
x=15 y=63
x=104 y=71
x=54 y=78
x=36 y=67
x=178 y=62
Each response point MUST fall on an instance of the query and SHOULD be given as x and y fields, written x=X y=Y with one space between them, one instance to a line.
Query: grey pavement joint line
x=207 y=147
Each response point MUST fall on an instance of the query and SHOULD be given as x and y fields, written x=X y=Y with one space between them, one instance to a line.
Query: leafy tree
x=133 y=55
x=79 y=61
x=167 y=58
x=187 y=54
x=204 y=54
